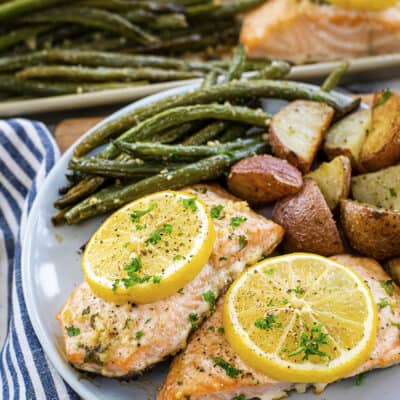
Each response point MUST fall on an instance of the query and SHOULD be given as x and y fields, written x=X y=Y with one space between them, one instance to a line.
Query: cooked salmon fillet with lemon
x=301 y=31
x=121 y=340
x=210 y=369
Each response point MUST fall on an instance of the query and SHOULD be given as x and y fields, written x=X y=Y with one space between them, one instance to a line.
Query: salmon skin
x=194 y=375
x=119 y=341
x=301 y=31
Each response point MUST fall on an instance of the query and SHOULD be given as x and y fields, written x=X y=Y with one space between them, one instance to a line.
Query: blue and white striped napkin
x=27 y=153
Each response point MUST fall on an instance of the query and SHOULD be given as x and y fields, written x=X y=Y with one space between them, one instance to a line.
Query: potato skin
x=263 y=179
x=308 y=222
x=394 y=269
x=371 y=230
x=381 y=148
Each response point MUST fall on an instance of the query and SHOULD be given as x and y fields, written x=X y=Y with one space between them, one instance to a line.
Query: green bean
x=209 y=132
x=59 y=217
x=238 y=63
x=12 y=9
x=250 y=65
x=179 y=115
x=11 y=84
x=334 y=77
x=103 y=74
x=113 y=197
x=170 y=21
x=119 y=169
x=96 y=18
x=20 y=35
x=173 y=134
x=84 y=188
x=11 y=63
x=277 y=70
x=120 y=5
x=209 y=80
x=156 y=151
x=117 y=60
x=234 y=132
x=190 y=42
x=236 y=90
x=222 y=10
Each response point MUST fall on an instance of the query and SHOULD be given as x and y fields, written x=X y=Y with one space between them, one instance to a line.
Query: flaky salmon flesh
x=302 y=31
x=124 y=340
x=194 y=375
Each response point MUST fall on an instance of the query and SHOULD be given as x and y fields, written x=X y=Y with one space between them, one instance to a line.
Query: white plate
x=380 y=66
x=51 y=269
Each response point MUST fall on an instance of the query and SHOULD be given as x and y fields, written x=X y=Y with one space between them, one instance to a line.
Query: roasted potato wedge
x=381 y=148
x=347 y=136
x=371 y=230
x=333 y=179
x=298 y=130
x=382 y=188
x=394 y=269
x=264 y=179
x=308 y=222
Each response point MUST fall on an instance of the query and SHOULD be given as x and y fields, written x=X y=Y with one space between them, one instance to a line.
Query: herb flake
x=229 y=369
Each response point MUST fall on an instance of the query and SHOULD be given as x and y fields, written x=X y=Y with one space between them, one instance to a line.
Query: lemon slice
x=150 y=248
x=301 y=318
x=365 y=5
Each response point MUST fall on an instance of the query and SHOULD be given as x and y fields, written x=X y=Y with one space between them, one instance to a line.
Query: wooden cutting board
x=71 y=129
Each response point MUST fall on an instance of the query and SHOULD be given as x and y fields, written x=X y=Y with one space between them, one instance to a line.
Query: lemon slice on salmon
x=365 y=5
x=150 y=248
x=301 y=318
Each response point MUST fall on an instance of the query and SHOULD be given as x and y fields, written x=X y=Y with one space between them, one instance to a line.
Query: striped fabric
x=27 y=153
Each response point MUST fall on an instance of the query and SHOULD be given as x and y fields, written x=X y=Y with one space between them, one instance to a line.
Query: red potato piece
x=263 y=179
x=381 y=148
x=308 y=222
x=371 y=230
x=298 y=130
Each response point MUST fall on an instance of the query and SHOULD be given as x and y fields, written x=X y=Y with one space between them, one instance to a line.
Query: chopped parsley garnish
x=86 y=311
x=193 y=318
x=393 y=192
x=156 y=278
x=216 y=210
x=190 y=203
x=360 y=378
x=180 y=383
x=221 y=330
x=269 y=271
x=209 y=297
x=242 y=242
x=230 y=370
x=180 y=291
x=115 y=285
x=147 y=320
x=155 y=236
x=211 y=328
x=139 y=335
x=137 y=214
x=383 y=303
x=310 y=343
x=240 y=397
x=387 y=285
x=223 y=258
x=178 y=257
x=267 y=323
x=395 y=324
x=72 y=331
x=270 y=303
x=298 y=290
x=384 y=97
x=284 y=301
x=237 y=221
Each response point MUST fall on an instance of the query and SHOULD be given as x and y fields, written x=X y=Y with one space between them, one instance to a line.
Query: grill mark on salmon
x=301 y=31
x=118 y=341
x=193 y=373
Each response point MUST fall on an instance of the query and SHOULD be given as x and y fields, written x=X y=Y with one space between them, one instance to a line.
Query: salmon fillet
x=193 y=372
x=124 y=340
x=301 y=31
